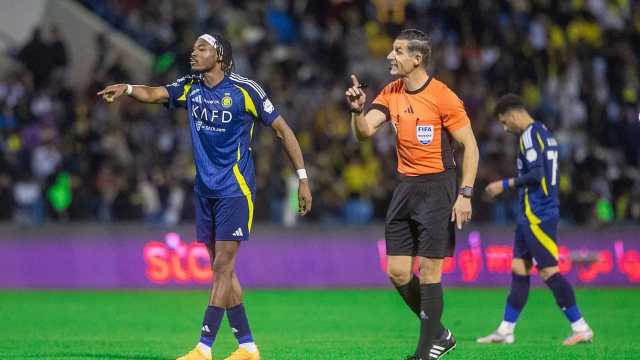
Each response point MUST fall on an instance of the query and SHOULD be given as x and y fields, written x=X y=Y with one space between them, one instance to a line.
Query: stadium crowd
x=65 y=155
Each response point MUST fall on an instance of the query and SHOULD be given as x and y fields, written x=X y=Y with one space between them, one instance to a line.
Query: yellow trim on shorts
x=245 y=189
x=545 y=240
x=249 y=106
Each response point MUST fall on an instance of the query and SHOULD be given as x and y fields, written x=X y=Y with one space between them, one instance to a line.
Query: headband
x=213 y=42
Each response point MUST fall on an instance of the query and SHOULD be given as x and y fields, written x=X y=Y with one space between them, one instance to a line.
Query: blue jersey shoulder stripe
x=251 y=83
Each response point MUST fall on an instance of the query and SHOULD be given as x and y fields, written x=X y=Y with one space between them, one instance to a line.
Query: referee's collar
x=421 y=87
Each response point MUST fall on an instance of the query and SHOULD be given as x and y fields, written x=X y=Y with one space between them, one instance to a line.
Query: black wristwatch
x=466 y=192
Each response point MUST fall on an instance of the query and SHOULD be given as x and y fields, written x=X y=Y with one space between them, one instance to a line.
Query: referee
x=427 y=117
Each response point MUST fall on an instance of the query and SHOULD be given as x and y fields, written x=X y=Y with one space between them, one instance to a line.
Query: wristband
x=129 y=90
x=356 y=111
x=505 y=184
x=302 y=174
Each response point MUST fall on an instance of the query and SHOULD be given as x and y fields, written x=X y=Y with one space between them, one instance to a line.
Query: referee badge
x=226 y=101
x=424 y=134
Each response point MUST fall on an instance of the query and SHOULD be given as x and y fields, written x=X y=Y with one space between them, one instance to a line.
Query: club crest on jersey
x=226 y=101
x=424 y=134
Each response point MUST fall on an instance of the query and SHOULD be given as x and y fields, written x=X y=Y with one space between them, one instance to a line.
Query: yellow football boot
x=242 y=354
x=196 y=354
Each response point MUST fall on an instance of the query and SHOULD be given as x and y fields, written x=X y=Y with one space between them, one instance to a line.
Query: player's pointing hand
x=355 y=96
x=112 y=92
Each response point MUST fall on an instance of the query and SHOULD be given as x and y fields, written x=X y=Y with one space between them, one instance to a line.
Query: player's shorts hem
x=415 y=254
x=400 y=253
x=434 y=256
x=223 y=239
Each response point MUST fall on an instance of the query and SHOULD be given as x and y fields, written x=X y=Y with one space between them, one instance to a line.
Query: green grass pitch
x=307 y=324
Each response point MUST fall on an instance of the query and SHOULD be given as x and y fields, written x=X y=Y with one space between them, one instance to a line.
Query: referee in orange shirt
x=426 y=116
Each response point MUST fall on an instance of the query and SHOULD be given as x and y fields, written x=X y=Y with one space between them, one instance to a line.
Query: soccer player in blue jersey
x=222 y=108
x=535 y=238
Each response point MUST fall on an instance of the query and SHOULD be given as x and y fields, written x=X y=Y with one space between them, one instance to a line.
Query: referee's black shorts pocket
x=400 y=235
x=436 y=232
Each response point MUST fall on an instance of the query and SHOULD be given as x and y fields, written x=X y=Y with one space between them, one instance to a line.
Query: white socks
x=205 y=349
x=579 y=325
x=506 y=327
x=250 y=347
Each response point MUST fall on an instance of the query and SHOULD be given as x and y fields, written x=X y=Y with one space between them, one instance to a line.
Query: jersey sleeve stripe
x=383 y=109
x=527 y=138
x=187 y=87
x=251 y=83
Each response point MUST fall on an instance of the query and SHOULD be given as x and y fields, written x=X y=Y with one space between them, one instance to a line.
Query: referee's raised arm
x=363 y=125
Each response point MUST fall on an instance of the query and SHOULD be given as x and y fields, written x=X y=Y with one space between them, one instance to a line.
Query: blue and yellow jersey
x=222 y=120
x=538 y=150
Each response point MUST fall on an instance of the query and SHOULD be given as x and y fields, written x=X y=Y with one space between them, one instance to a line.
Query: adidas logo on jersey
x=409 y=110
x=238 y=232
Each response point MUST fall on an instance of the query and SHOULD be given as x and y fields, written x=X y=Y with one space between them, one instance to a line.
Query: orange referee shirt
x=424 y=120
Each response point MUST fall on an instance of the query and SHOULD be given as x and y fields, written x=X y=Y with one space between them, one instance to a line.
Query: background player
x=222 y=107
x=426 y=114
x=535 y=240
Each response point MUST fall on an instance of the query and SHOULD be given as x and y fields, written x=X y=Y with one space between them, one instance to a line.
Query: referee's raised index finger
x=355 y=81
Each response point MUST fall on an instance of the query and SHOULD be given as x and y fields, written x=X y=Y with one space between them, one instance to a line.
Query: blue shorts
x=223 y=219
x=537 y=243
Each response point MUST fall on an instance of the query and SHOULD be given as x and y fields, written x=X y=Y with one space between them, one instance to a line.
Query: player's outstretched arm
x=142 y=93
x=363 y=125
x=534 y=176
x=292 y=147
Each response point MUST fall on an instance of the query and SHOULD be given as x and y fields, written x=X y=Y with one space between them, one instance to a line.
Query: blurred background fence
x=65 y=155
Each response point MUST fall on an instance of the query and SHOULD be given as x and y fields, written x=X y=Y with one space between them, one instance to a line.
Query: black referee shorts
x=418 y=221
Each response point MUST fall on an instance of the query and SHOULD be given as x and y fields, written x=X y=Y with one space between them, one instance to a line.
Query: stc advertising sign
x=280 y=258
x=476 y=263
x=174 y=261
